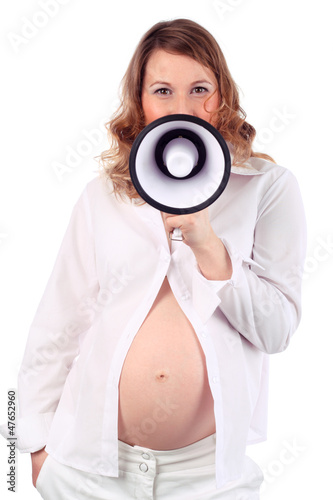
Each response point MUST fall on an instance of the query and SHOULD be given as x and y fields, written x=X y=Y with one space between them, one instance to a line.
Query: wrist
x=37 y=453
x=213 y=259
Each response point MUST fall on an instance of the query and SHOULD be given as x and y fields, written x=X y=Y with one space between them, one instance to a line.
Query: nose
x=183 y=105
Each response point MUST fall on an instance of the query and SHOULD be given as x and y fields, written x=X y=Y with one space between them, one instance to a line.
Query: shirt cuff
x=206 y=292
x=31 y=432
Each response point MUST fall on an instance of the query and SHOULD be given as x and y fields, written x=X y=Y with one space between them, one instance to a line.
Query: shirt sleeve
x=262 y=300
x=54 y=337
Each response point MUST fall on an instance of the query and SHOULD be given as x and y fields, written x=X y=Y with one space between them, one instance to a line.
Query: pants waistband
x=195 y=455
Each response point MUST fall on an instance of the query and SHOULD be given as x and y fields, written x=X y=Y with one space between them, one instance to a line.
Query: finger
x=171 y=221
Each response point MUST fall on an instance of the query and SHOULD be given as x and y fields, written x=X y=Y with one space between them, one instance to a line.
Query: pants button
x=143 y=467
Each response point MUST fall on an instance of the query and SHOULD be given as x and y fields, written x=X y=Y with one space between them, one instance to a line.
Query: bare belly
x=164 y=396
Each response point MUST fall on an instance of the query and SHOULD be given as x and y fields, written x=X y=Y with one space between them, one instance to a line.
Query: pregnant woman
x=145 y=370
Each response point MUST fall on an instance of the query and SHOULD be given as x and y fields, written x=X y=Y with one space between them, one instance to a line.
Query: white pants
x=184 y=474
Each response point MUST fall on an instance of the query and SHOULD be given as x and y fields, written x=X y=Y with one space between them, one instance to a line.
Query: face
x=176 y=83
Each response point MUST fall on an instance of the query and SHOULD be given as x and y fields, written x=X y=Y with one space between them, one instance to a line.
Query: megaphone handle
x=176 y=234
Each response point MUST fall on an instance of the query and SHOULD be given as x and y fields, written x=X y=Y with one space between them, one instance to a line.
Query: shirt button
x=143 y=467
x=204 y=334
x=185 y=296
x=216 y=380
x=146 y=456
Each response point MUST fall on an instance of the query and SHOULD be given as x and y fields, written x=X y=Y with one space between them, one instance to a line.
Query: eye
x=163 y=91
x=199 y=90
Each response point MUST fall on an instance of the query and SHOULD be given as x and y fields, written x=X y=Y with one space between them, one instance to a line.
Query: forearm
x=210 y=253
x=213 y=259
x=264 y=312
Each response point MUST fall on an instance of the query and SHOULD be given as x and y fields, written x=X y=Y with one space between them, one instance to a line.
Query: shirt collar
x=248 y=168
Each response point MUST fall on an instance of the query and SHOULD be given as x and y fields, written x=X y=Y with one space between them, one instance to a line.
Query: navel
x=162 y=375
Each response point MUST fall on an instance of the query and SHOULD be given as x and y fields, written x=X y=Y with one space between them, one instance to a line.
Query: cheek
x=208 y=108
x=212 y=104
x=150 y=109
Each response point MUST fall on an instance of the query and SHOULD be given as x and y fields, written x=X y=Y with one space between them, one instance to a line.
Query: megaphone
x=179 y=164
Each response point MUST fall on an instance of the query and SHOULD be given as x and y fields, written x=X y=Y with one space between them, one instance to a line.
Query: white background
x=59 y=83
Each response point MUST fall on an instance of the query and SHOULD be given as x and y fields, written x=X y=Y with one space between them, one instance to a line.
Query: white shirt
x=110 y=267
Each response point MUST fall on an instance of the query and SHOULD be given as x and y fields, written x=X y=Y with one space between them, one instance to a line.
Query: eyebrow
x=192 y=84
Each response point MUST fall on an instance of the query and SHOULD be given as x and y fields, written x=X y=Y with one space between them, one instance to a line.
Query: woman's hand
x=196 y=228
x=37 y=460
x=211 y=255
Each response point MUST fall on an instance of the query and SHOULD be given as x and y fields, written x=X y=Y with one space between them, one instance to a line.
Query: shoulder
x=99 y=196
x=99 y=190
x=267 y=172
x=99 y=185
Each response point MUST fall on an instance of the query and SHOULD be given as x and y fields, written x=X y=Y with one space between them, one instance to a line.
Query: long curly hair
x=185 y=37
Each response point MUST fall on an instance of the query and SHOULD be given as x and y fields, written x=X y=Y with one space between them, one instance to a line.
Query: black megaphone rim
x=165 y=208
